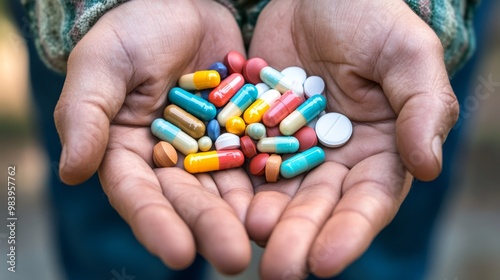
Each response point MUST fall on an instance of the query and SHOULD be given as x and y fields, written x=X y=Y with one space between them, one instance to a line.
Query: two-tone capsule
x=254 y=113
x=175 y=136
x=303 y=114
x=238 y=103
x=278 y=145
x=283 y=107
x=220 y=95
x=213 y=161
x=302 y=162
x=184 y=120
x=200 y=80
x=194 y=104
x=275 y=79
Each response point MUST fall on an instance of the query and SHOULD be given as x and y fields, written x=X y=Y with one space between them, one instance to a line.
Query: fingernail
x=437 y=149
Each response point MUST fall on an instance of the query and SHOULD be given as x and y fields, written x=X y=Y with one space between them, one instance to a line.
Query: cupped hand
x=383 y=67
x=117 y=82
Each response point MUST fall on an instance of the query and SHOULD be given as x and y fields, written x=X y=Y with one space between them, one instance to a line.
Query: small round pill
x=295 y=73
x=307 y=138
x=227 y=141
x=234 y=62
x=261 y=88
x=248 y=146
x=273 y=131
x=333 y=130
x=220 y=68
x=256 y=131
x=251 y=69
x=257 y=164
x=235 y=125
x=314 y=85
x=164 y=154
x=273 y=165
x=213 y=130
x=204 y=143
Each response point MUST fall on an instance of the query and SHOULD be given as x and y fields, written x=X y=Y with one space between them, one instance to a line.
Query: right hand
x=117 y=82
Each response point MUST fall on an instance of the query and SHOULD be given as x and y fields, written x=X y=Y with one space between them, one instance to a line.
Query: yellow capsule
x=255 y=112
x=213 y=161
x=235 y=125
x=198 y=80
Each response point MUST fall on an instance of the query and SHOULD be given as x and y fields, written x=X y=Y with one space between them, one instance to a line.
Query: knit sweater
x=58 y=25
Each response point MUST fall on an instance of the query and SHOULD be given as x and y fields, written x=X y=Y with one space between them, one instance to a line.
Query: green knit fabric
x=58 y=25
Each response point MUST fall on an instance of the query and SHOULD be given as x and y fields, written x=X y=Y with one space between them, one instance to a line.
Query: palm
x=332 y=213
x=137 y=61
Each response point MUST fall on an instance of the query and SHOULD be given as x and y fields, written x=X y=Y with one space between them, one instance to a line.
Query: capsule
x=184 y=120
x=220 y=95
x=278 y=145
x=175 y=136
x=303 y=114
x=287 y=103
x=275 y=79
x=238 y=103
x=200 y=80
x=213 y=161
x=195 y=105
x=256 y=131
x=254 y=113
x=302 y=162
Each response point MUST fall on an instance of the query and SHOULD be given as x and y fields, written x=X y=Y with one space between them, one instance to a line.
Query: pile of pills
x=244 y=110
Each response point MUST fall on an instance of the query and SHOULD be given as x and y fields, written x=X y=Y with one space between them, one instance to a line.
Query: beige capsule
x=184 y=120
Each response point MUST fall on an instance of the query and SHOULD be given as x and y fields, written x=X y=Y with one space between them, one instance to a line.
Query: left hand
x=383 y=67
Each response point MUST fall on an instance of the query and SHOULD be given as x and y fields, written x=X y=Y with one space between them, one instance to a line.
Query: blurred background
x=466 y=243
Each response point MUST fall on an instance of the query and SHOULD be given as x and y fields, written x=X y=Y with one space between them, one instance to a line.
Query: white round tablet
x=261 y=88
x=227 y=141
x=314 y=85
x=295 y=73
x=333 y=130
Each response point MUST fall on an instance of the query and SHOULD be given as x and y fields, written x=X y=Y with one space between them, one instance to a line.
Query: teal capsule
x=278 y=145
x=303 y=114
x=238 y=103
x=302 y=162
x=275 y=79
x=175 y=136
x=194 y=104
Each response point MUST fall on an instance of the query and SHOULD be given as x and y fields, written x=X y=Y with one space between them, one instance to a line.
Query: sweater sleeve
x=450 y=19
x=58 y=25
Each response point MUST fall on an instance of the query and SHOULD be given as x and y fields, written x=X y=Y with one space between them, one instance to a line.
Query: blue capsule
x=194 y=104
x=278 y=145
x=302 y=162
x=175 y=136
x=238 y=103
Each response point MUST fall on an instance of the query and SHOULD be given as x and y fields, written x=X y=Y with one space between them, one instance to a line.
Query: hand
x=117 y=80
x=384 y=69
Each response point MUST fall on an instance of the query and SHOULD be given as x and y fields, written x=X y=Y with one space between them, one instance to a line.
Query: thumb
x=94 y=91
x=417 y=86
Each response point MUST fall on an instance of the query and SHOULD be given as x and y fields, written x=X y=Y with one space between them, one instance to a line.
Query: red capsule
x=234 y=62
x=287 y=103
x=220 y=95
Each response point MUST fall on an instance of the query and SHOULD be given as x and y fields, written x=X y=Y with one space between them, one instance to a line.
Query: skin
x=383 y=67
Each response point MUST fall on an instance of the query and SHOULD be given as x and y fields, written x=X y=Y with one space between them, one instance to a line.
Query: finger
x=266 y=207
x=301 y=221
x=372 y=194
x=415 y=80
x=236 y=189
x=93 y=92
x=134 y=191
x=219 y=234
